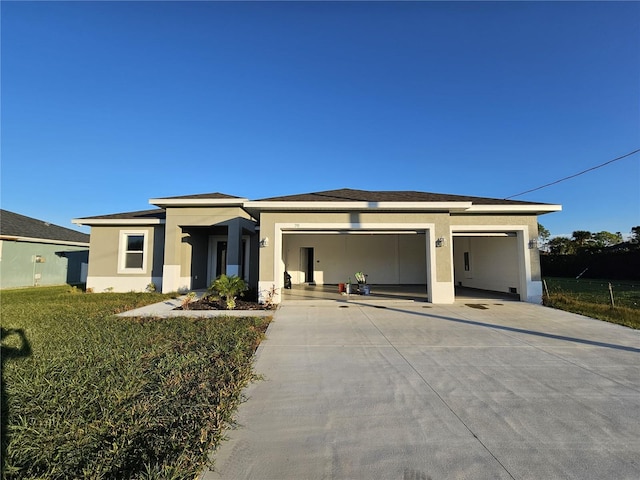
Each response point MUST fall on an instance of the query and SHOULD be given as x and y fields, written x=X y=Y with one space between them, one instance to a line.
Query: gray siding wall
x=61 y=265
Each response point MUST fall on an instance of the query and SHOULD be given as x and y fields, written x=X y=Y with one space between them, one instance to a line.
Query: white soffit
x=351 y=232
x=537 y=208
x=118 y=221
x=483 y=234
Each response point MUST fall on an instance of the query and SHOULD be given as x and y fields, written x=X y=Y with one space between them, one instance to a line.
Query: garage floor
x=480 y=389
x=416 y=293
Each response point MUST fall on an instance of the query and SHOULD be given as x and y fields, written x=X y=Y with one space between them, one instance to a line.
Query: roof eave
x=117 y=221
x=533 y=209
x=18 y=238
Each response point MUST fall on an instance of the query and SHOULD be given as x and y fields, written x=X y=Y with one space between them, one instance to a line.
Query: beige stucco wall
x=268 y=221
x=440 y=266
x=410 y=257
x=177 y=251
x=182 y=249
x=103 y=259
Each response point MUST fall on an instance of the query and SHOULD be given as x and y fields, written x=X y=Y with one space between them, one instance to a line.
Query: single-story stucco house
x=34 y=252
x=396 y=237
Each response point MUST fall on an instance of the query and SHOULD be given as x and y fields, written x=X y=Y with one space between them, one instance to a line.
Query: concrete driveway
x=399 y=390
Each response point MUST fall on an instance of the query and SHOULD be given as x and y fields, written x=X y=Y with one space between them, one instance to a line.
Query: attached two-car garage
x=491 y=261
x=401 y=238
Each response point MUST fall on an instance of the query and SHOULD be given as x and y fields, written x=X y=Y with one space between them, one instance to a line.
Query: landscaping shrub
x=97 y=396
x=228 y=288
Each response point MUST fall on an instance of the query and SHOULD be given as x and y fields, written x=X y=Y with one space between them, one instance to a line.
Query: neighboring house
x=396 y=237
x=34 y=252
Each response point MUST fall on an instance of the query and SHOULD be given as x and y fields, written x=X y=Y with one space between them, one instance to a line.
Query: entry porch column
x=234 y=248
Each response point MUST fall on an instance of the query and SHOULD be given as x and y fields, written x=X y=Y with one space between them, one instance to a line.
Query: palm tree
x=229 y=288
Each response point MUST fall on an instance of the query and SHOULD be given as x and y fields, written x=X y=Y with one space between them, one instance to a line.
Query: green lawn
x=592 y=298
x=89 y=395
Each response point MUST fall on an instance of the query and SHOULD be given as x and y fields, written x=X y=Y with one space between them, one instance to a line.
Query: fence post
x=546 y=289
x=611 y=296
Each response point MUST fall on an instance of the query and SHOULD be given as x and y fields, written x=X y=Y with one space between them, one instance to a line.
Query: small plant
x=361 y=278
x=151 y=287
x=188 y=298
x=108 y=290
x=268 y=296
x=228 y=288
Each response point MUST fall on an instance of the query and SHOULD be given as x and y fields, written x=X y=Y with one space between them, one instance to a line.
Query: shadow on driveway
x=505 y=328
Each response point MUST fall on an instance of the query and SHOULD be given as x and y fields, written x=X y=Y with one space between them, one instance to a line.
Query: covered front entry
x=216 y=250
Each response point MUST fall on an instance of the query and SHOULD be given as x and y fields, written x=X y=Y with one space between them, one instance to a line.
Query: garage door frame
x=437 y=292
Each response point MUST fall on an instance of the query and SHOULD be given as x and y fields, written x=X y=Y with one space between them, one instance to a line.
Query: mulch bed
x=204 y=304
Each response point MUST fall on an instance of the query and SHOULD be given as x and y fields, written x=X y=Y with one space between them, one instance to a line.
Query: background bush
x=612 y=265
x=104 y=397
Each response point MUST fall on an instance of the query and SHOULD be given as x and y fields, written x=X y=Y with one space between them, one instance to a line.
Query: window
x=132 y=254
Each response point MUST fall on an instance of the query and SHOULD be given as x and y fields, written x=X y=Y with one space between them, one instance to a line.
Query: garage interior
x=485 y=264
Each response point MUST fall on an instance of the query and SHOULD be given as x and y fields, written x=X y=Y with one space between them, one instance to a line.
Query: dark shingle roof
x=350 y=195
x=211 y=196
x=16 y=225
x=156 y=213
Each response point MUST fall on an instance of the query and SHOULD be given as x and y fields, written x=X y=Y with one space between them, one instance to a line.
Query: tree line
x=583 y=241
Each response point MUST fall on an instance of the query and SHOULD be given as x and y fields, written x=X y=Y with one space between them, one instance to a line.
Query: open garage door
x=490 y=261
x=397 y=258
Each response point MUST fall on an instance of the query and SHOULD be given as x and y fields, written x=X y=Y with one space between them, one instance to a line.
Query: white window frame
x=122 y=251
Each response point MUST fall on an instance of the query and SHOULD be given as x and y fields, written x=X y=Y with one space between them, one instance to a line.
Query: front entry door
x=221 y=258
x=307 y=264
x=217 y=262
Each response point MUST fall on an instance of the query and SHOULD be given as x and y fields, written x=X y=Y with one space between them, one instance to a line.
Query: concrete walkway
x=167 y=309
x=411 y=391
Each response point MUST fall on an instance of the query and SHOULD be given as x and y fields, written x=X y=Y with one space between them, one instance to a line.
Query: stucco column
x=440 y=244
x=171 y=271
x=529 y=259
x=234 y=248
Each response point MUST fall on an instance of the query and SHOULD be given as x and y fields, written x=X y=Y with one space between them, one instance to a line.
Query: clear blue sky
x=108 y=104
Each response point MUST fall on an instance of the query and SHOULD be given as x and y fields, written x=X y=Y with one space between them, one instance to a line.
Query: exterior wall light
x=533 y=243
x=441 y=242
x=264 y=242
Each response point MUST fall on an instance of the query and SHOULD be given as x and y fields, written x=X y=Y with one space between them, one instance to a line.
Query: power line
x=575 y=174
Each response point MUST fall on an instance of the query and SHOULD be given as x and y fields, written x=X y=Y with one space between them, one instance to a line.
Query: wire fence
x=602 y=292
